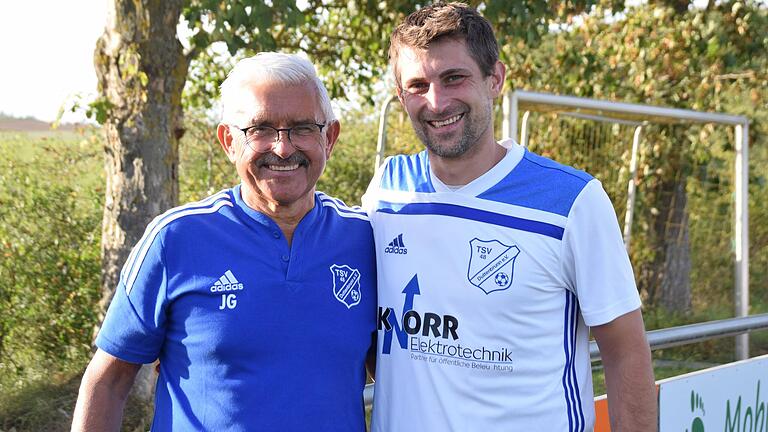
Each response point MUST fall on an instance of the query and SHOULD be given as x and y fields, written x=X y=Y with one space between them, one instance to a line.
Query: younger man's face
x=449 y=101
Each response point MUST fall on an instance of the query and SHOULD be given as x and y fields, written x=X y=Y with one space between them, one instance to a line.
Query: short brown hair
x=446 y=20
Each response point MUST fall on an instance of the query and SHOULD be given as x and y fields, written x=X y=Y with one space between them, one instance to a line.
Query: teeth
x=453 y=119
x=283 y=167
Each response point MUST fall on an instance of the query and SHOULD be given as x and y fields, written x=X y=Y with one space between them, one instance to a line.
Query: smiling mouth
x=283 y=167
x=275 y=163
x=443 y=123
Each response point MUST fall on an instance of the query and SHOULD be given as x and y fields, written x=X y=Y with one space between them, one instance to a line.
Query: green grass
x=47 y=404
x=28 y=146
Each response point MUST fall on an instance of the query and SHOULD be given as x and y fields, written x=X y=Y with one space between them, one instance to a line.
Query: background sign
x=730 y=398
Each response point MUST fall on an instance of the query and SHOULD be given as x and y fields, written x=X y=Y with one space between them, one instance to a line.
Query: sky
x=47 y=51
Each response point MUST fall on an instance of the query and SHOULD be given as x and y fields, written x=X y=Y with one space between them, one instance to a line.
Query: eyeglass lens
x=303 y=136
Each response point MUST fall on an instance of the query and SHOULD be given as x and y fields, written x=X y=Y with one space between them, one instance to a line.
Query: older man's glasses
x=303 y=136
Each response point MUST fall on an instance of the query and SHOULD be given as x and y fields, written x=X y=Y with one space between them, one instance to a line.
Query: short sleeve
x=134 y=327
x=595 y=261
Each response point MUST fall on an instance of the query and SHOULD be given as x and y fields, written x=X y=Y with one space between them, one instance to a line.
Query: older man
x=258 y=301
x=493 y=262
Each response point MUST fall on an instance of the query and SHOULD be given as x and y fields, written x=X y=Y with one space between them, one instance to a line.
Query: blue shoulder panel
x=540 y=183
x=407 y=173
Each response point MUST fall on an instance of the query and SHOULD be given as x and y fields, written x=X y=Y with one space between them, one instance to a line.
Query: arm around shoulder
x=632 y=399
x=103 y=392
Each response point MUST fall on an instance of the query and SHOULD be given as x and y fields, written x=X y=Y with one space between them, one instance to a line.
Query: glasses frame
x=288 y=131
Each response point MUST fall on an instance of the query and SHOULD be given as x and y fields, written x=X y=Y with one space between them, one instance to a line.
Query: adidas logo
x=227 y=282
x=396 y=246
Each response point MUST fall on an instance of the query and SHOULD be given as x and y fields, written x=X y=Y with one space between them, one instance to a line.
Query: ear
x=498 y=73
x=331 y=135
x=227 y=141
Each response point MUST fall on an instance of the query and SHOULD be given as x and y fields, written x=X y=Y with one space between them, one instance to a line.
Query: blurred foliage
x=713 y=59
x=50 y=226
x=350 y=167
x=347 y=40
x=203 y=167
x=51 y=199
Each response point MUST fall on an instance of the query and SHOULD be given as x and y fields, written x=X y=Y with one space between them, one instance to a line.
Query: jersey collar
x=263 y=220
x=491 y=177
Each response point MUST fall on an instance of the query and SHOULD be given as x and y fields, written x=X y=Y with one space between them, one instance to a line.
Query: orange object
x=602 y=423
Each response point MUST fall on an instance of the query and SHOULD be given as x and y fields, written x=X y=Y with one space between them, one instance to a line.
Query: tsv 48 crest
x=346 y=284
x=491 y=264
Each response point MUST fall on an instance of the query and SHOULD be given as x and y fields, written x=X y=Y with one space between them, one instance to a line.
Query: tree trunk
x=675 y=288
x=667 y=279
x=141 y=68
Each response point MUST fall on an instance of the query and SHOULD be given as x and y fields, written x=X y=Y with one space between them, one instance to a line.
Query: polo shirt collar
x=263 y=220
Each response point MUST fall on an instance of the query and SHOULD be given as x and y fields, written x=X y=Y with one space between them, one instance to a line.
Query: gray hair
x=271 y=67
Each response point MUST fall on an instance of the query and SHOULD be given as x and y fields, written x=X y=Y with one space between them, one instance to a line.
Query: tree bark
x=141 y=69
x=675 y=289
x=667 y=279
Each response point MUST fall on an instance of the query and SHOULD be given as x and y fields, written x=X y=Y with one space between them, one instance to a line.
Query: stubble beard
x=446 y=150
x=450 y=149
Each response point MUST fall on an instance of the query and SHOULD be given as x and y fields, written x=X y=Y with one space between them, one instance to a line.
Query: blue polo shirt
x=251 y=334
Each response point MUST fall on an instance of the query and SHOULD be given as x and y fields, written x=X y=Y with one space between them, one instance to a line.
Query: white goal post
x=638 y=115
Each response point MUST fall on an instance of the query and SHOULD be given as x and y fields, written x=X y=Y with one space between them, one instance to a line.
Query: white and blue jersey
x=251 y=333
x=486 y=294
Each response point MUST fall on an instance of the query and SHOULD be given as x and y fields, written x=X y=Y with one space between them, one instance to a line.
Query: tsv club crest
x=491 y=264
x=346 y=285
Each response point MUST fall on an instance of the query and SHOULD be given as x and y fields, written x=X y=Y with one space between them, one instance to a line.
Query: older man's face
x=281 y=173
